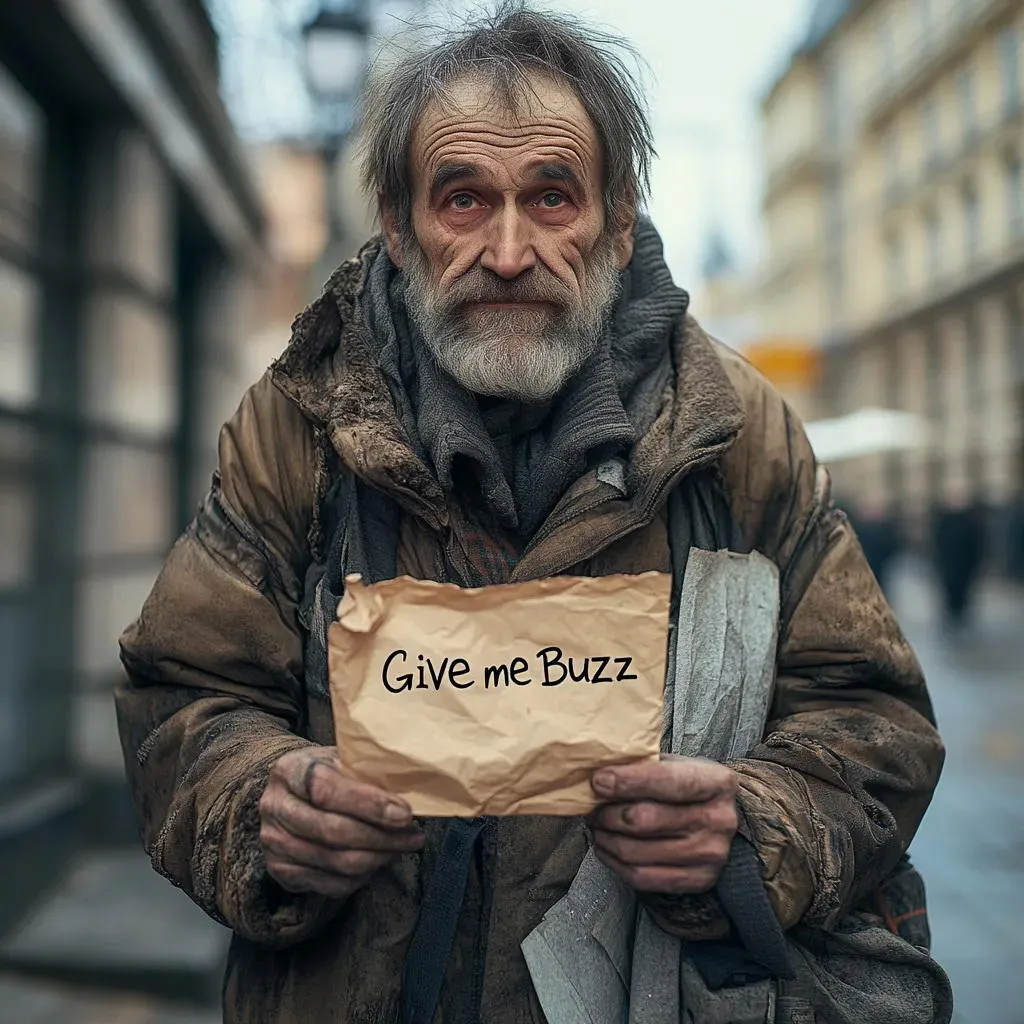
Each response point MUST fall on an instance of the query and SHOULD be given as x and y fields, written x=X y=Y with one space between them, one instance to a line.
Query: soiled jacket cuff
x=698 y=917
x=785 y=866
x=247 y=899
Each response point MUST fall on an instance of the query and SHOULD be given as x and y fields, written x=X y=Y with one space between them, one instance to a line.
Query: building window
x=833 y=211
x=975 y=378
x=836 y=284
x=21 y=146
x=886 y=47
x=1009 y=66
x=1015 y=337
x=891 y=157
x=925 y=13
x=834 y=112
x=894 y=265
x=933 y=242
x=1015 y=195
x=965 y=101
x=933 y=375
x=19 y=305
x=131 y=370
x=972 y=220
x=931 y=130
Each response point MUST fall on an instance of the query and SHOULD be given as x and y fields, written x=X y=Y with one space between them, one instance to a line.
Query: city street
x=970 y=848
x=971 y=845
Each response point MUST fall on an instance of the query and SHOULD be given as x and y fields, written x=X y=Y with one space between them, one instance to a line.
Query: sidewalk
x=26 y=1001
x=113 y=943
x=970 y=847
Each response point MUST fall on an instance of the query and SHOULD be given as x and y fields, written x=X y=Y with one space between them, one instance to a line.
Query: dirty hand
x=665 y=826
x=326 y=833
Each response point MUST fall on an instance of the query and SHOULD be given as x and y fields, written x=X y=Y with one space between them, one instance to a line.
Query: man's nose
x=509 y=251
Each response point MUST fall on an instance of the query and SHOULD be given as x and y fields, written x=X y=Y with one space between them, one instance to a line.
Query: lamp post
x=335 y=51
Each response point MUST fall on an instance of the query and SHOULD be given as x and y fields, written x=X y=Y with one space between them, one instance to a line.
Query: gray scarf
x=524 y=458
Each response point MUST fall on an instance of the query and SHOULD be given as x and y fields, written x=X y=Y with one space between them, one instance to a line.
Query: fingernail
x=605 y=780
x=396 y=814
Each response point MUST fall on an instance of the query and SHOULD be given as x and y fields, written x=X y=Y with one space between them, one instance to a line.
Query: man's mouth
x=507 y=304
x=510 y=305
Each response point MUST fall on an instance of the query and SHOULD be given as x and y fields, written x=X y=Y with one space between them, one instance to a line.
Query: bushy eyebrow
x=556 y=172
x=447 y=173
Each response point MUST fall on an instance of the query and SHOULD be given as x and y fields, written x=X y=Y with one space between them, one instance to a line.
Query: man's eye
x=462 y=201
x=552 y=200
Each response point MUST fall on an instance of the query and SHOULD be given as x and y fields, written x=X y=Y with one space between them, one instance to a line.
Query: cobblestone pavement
x=970 y=847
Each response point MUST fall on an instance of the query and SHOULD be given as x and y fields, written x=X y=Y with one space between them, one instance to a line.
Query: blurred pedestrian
x=878 y=531
x=959 y=551
x=1015 y=540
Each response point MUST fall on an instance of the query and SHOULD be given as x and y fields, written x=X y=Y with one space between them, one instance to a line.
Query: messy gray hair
x=505 y=47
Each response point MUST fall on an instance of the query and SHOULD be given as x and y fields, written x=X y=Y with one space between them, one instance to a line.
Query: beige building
x=894 y=215
x=301 y=256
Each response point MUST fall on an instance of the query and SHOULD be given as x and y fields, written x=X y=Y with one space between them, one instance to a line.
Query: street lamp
x=335 y=51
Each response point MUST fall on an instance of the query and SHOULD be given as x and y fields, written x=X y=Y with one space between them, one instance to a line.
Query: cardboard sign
x=502 y=699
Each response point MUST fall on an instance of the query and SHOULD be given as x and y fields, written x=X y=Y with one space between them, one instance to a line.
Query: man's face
x=511 y=272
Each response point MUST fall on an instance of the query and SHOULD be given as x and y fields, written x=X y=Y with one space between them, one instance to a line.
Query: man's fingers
x=332 y=791
x=295 y=770
x=337 y=830
x=659 y=877
x=706 y=849
x=315 y=776
x=650 y=819
x=671 y=780
x=282 y=847
x=323 y=832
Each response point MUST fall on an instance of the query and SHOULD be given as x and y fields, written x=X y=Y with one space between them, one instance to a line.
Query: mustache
x=482 y=285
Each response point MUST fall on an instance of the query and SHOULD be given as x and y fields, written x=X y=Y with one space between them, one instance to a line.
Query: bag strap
x=432 y=940
x=361 y=525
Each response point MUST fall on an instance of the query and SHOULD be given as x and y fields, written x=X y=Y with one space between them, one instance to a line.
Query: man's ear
x=624 y=242
x=389 y=227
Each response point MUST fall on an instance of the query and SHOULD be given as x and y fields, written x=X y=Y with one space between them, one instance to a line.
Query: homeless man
x=507 y=385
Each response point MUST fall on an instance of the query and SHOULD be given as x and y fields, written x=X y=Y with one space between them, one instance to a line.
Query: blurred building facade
x=894 y=218
x=301 y=253
x=130 y=231
x=725 y=299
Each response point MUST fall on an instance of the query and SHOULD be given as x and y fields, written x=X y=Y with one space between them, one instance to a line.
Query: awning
x=867 y=432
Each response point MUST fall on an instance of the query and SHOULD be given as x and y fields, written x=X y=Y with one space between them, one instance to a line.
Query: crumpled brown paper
x=462 y=702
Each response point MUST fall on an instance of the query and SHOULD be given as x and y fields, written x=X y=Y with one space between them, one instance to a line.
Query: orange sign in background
x=786 y=362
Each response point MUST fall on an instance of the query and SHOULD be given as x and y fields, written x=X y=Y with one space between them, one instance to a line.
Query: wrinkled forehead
x=473 y=119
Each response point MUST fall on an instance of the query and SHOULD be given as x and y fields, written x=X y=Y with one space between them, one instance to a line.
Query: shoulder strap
x=362 y=529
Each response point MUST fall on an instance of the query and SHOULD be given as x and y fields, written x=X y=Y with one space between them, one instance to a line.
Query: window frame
x=1008 y=46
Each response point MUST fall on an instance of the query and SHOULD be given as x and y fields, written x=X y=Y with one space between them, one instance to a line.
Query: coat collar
x=329 y=371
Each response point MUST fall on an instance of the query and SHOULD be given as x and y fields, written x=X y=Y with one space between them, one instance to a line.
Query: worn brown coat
x=214 y=691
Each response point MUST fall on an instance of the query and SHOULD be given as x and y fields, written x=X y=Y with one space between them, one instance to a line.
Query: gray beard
x=523 y=355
